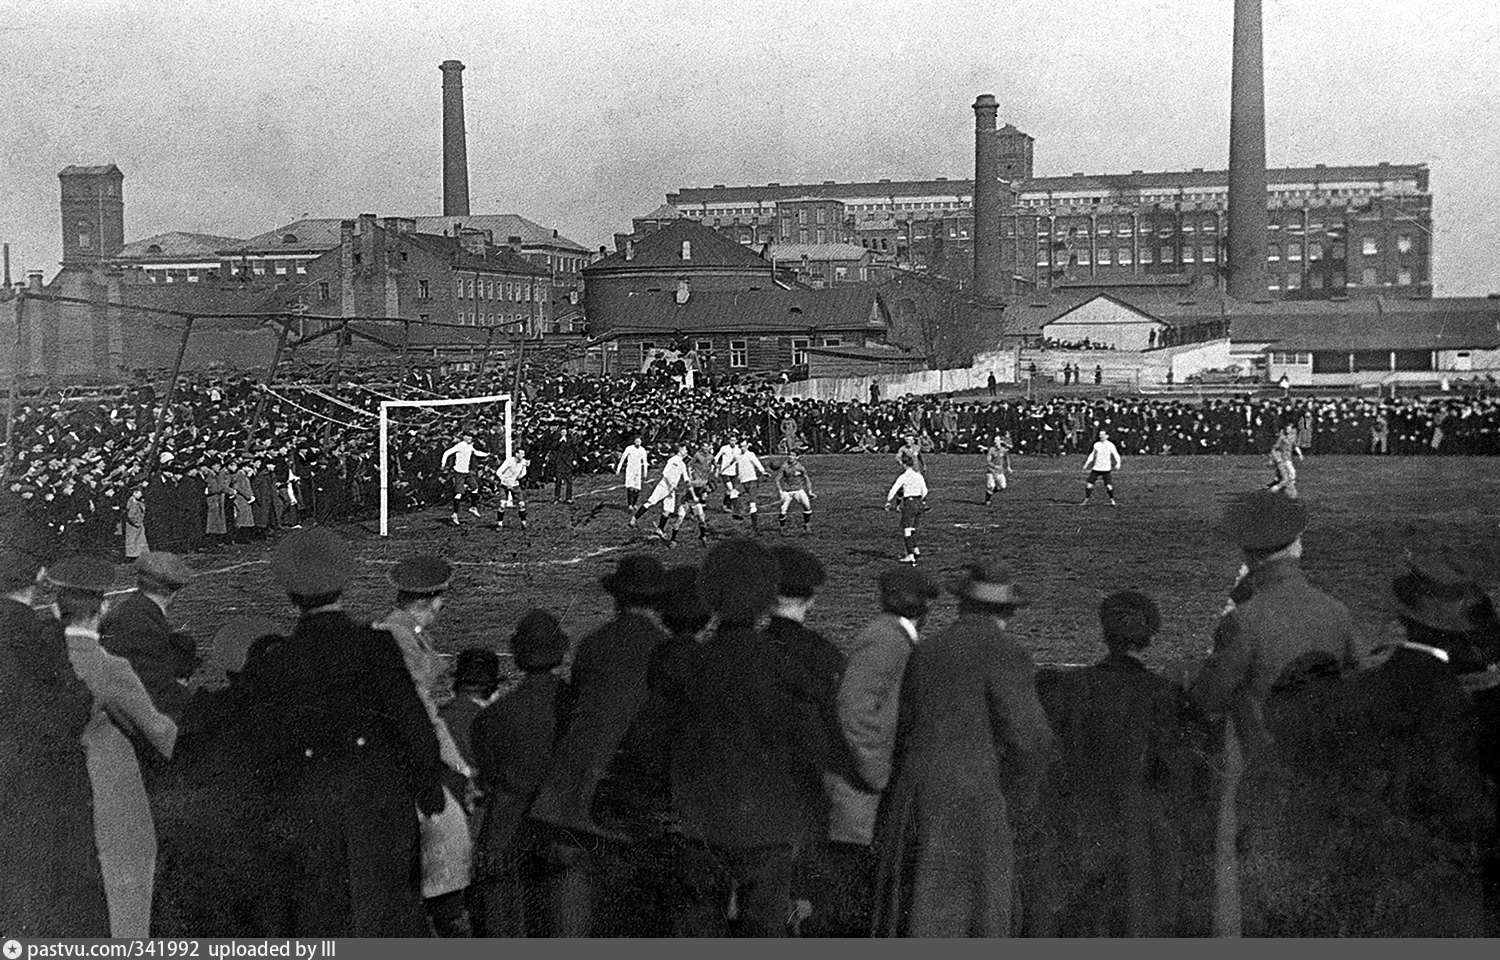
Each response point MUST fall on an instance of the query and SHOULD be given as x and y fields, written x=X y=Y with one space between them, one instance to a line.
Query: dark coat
x=1365 y=813
x=52 y=884
x=606 y=692
x=1123 y=769
x=740 y=760
x=136 y=628
x=458 y=715
x=971 y=744
x=352 y=753
x=810 y=668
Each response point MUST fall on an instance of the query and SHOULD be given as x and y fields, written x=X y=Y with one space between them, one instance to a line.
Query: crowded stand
x=313 y=449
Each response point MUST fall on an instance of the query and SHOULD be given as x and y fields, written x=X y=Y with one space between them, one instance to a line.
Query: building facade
x=93 y=213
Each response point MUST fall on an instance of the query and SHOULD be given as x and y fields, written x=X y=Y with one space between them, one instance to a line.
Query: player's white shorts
x=995 y=479
x=788 y=497
x=663 y=495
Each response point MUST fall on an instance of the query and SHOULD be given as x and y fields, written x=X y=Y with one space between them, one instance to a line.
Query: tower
x=93 y=213
x=455 y=146
x=1015 y=153
x=1246 y=275
x=988 y=268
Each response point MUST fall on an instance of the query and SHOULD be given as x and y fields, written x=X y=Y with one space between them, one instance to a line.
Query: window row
x=485 y=289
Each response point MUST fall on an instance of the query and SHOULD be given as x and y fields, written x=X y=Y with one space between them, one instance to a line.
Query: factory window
x=324 y=293
x=1167 y=256
x=1082 y=258
x=1146 y=255
x=301 y=267
x=1403 y=277
x=1294 y=281
x=1315 y=281
x=469 y=287
x=739 y=353
x=1403 y=243
x=1106 y=256
x=1207 y=254
x=799 y=351
x=460 y=289
x=1273 y=251
x=840 y=273
x=802 y=235
x=1338 y=251
x=1294 y=251
x=687 y=249
x=822 y=215
x=1314 y=251
x=281 y=268
x=1367 y=277
x=822 y=235
x=1187 y=254
x=526 y=294
x=1041 y=256
x=801 y=216
x=832 y=342
x=1370 y=248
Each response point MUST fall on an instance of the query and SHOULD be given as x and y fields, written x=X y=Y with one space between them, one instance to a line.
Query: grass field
x=1160 y=540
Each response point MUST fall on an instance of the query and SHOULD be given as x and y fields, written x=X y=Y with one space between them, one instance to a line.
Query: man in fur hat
x=973 y=743
x=352 y=748
x=608 y=688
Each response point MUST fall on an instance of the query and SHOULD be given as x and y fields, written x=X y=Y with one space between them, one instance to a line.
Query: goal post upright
x=386 y=406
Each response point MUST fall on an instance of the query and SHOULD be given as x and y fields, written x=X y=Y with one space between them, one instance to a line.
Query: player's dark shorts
x=692 y=494
x=911 y=509
x=1097 y=475
x=463 y=482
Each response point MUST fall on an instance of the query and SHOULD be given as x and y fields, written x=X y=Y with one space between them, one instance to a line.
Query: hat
x=165 y=568
x=83 y=573
x=988 y=583
x=683 y=611
x=539 y=642
x=1264 y=520
x=477 y=667
x=801 y=572
x=424 y=576
x=234 y=640
x=313 y=562
x=1439 y=591
x=739 y=579
x=639 y=576
x=1130 y=617
x=907 y=580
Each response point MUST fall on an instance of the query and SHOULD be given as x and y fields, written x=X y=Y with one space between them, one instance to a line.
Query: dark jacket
x=351 y=751
x=136 y=628
x=512 y=742
x=810 y=669
x=607 y=689
x=740 y=759
x=52 y=885
x=972 y=742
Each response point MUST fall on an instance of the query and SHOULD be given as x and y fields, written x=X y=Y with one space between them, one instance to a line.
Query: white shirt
x=1104 y=457
x=634 y=462
x=749 y=466
x=461 y=452
x=909 y=484
x=512 y=470
x=673 y=473
x=726 y=459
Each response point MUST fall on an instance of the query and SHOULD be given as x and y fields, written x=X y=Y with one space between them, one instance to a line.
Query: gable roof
x=99 y=169
x=502 y=226
x=176 y=246
x=818 y=252
x=1131 y=308
x=664 y=212
x=662 y=248
x=849 y=308
x=309 y=235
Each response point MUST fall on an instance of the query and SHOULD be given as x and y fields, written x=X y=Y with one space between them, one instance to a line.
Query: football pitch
x=1162 y=540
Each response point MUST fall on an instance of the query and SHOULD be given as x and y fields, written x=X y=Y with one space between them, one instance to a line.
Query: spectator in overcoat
x=135 y=627
x=868 y=697
x=353 y=751
x=971 y=747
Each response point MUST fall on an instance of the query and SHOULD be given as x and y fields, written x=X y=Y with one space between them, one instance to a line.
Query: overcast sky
x=234 y=117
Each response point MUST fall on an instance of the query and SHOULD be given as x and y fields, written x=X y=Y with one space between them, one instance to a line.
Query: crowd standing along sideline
x=312 y=452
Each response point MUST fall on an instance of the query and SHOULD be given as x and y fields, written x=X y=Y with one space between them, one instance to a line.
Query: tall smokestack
x=988 y=269
x=455 y=147
x=1248 y=219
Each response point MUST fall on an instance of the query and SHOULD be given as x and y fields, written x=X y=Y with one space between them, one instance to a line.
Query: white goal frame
x=387 y=405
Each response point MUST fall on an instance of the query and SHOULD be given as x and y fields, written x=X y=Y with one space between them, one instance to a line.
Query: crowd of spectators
x=233 y=459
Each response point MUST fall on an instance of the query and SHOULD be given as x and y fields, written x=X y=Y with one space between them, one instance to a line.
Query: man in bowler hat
x=352 y=751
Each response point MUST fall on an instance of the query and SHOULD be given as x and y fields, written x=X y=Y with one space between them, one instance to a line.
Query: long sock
x=754 y=520
x=988 y=496
x=522 y=512
x=907 y=541
x=806 y=519
x=781 y=520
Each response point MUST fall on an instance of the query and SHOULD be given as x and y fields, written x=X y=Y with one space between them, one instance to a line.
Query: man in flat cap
x=973 y=743
x=52 y=886
x=447 y=851
x=741 y=760
x=868 y=694
x=607 y=690
x=352 y=748
x=1275 y=618
x=136 y=628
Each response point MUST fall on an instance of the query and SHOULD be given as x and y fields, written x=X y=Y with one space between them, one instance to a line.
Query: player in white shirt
x=748 y=471
x=692 y=493
x=634 y=463
x=726 y=461
x=1102 y=462
x=462 y=453
x=671 y=485
x=910 y=491
x=511 y=472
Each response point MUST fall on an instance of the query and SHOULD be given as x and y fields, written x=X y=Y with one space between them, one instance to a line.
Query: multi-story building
x=1335 y=231
x=175 y=257
x=93 y=213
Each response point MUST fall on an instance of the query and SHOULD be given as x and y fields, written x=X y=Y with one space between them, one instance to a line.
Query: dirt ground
x=1161 y=540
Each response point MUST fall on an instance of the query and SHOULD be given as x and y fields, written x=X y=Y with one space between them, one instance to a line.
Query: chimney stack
x=7 y=267
x=988 y=272
x=455 y=147
x=1248 y=220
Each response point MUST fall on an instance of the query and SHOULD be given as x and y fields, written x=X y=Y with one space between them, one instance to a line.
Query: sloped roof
x=819 y=252
x=208 y=299
x=176 y=246
x=461 y=257
x=502 y=227
x=664 y=212
x=848 y=308
x=663 y=249
x=76 y=170
x=311 y=235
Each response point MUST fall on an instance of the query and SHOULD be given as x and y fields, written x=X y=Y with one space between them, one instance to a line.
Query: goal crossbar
x=386 y=406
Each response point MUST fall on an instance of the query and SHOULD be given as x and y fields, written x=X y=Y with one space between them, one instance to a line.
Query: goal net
x=386 y=406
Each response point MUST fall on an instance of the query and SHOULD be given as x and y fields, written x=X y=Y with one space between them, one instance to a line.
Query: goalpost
x=385 y=465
